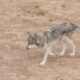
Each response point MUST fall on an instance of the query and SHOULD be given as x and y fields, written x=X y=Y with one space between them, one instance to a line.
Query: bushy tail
x=78 y=30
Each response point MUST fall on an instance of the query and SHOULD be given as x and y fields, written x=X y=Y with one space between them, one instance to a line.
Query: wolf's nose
x=27 y=47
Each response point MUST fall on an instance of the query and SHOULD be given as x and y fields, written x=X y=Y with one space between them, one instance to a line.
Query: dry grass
x=17 y=17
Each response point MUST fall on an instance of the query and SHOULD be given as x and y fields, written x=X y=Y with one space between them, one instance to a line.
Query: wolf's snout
x=27 y=47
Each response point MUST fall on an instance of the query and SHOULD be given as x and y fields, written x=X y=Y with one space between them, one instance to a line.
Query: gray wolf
x=44 y=39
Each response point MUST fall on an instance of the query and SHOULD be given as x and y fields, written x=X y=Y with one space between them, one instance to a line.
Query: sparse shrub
x=28 y=12
x=37 y=6
x=63 y=6
x=41 y=12
x=50 y=20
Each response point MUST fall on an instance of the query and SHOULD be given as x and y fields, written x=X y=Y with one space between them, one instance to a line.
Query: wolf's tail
x=77 y=29
x=73 y=30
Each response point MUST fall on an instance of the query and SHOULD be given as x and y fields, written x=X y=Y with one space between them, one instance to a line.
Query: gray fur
x=45 y=38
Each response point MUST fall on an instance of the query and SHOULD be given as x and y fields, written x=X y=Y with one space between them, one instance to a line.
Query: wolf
x=45 y=39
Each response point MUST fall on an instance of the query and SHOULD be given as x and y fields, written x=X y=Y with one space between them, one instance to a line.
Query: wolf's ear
x=30 y=34
x=35 y=35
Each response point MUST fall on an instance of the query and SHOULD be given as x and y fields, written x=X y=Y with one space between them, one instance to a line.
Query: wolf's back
x=65 y=29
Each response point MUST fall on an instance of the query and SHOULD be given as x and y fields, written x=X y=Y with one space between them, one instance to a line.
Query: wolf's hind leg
x=74 y=50
x=63 y=51
x=73 y=46
x=51 y=52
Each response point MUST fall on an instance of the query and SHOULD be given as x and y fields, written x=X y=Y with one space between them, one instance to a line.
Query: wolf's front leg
x=45 y=56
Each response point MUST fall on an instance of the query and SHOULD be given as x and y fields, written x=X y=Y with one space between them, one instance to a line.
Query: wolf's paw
x=61 y=54
x=72 y=54
x=42 y=63
x=52 y=54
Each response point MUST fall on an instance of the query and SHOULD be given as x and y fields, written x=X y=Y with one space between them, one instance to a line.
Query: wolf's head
x=33 y=41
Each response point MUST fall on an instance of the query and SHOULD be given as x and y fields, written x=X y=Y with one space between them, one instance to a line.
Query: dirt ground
x=17 y=17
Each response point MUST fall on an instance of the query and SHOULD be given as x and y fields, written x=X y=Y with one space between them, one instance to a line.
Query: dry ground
x=17 y=17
